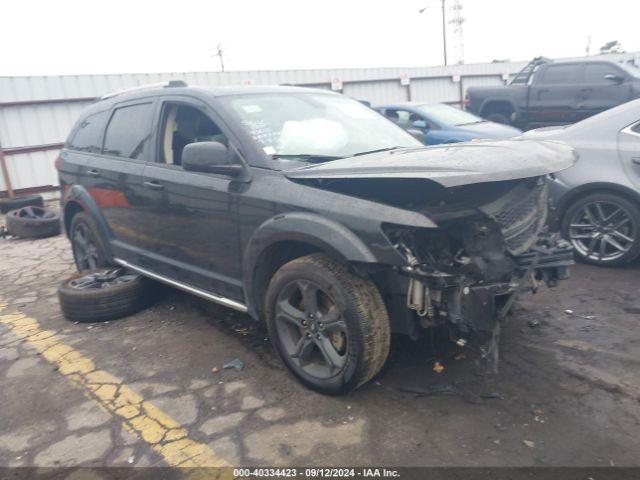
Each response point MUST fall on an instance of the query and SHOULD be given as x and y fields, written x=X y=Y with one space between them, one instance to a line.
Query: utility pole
x=444 y=34
x=588 y=49
x=220 y=55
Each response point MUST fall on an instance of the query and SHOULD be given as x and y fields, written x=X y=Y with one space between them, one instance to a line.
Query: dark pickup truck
x=556 y=93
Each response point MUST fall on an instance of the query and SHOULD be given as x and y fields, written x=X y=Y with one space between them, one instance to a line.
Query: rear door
x=84 y=141
x=114 y=177
x=193 y=216
x=598 y=93
x=629 y=150
x=553 y=96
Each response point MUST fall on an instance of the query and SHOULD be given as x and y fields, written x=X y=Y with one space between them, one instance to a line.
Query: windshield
x=315 y=127
x=446 y=115
x=630 y=69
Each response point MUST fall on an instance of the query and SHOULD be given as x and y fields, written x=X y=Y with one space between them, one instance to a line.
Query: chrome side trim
x=227 y=302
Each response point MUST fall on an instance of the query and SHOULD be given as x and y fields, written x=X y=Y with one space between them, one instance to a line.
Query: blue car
x=442 y=123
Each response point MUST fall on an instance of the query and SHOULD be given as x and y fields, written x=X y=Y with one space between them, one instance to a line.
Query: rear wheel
x=329 y=327
x=499 y=118
x=88 y=248
x=604 y=229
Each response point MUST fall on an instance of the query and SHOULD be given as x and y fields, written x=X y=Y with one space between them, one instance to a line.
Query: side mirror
x=209 y=157
x=614 y=78
x=420 y=125
x=417 y=134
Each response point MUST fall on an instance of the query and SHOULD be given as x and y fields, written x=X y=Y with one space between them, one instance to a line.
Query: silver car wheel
x=602 y=231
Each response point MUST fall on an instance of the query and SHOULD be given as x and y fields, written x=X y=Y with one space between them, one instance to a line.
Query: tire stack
x=26 y=217
x=33 y=222
x=8 y=204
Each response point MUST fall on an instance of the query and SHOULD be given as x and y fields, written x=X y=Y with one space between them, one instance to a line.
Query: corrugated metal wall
x=36 y=113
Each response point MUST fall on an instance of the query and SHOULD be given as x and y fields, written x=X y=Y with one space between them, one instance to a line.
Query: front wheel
x=604 y=229
x=329 y=327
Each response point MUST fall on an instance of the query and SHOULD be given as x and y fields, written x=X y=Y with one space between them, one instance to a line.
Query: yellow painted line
x=164 y=434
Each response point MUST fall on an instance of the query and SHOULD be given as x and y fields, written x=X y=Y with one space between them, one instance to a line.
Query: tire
x=95 y=254
x=581 y=229
x=498 y=118
x=8 y=204
x=355 y=334
x=119 y=295
x=33 y=222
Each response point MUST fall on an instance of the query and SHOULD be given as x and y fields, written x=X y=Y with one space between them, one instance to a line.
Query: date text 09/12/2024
x=316 y=473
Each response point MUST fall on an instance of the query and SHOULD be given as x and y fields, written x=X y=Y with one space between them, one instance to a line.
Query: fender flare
x=508 y=100
x=327 y=235
x=79 y=195
x=588 y=188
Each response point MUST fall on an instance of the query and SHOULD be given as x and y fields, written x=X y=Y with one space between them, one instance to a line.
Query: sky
x=95 y=36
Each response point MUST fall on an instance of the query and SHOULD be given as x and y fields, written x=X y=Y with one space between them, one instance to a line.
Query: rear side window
x=636 y=128
x=595 y=73
x=88 y=136
x=561 y=74
x=128 y=132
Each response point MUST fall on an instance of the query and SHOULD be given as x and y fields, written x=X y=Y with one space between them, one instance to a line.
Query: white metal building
x=36 y=113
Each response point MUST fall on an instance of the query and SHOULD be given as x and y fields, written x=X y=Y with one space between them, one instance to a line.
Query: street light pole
x=444 y=29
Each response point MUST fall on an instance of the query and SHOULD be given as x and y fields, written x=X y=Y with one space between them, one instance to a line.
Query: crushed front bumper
x=475 y=305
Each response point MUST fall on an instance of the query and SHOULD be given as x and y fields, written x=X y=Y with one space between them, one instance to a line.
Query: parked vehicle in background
x=597 y=201
x=310 y=211
x=442 y=123
x=549 y=93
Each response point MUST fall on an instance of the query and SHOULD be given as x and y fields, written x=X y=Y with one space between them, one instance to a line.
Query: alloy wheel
x=312 y=329
x=102 y=279
x=85 y=250
x=602 y=231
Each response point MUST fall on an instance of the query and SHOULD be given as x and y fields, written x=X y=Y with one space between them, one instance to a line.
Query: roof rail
x=141 y=88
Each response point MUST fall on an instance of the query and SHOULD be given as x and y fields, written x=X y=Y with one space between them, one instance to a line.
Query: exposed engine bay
x=468 y=272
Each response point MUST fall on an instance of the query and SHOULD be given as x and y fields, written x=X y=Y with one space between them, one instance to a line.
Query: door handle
x=635 y=160
x=154 y=185
x=93 y=173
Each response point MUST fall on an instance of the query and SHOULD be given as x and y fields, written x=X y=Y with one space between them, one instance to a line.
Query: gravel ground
x=567 y=393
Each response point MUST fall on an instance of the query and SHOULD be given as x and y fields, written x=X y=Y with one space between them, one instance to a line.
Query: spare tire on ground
x=104 y=294
x=33 y=222
x=8 y=204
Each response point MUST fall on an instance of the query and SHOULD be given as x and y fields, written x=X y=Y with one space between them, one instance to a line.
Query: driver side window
x=182 y=125
x=400 y=117
x=405 y=119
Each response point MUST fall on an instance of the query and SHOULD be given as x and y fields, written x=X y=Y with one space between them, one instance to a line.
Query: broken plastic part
x=235 y=363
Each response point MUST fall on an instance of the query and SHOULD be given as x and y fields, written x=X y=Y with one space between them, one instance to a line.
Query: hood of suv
x=451 y=165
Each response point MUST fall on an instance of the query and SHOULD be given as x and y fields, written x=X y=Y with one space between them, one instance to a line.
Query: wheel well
x=497 y=106
x=270 y=260
x=566 y=203
x=69 y=212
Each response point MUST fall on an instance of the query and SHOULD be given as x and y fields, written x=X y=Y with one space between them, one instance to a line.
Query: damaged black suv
x=313 y=213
